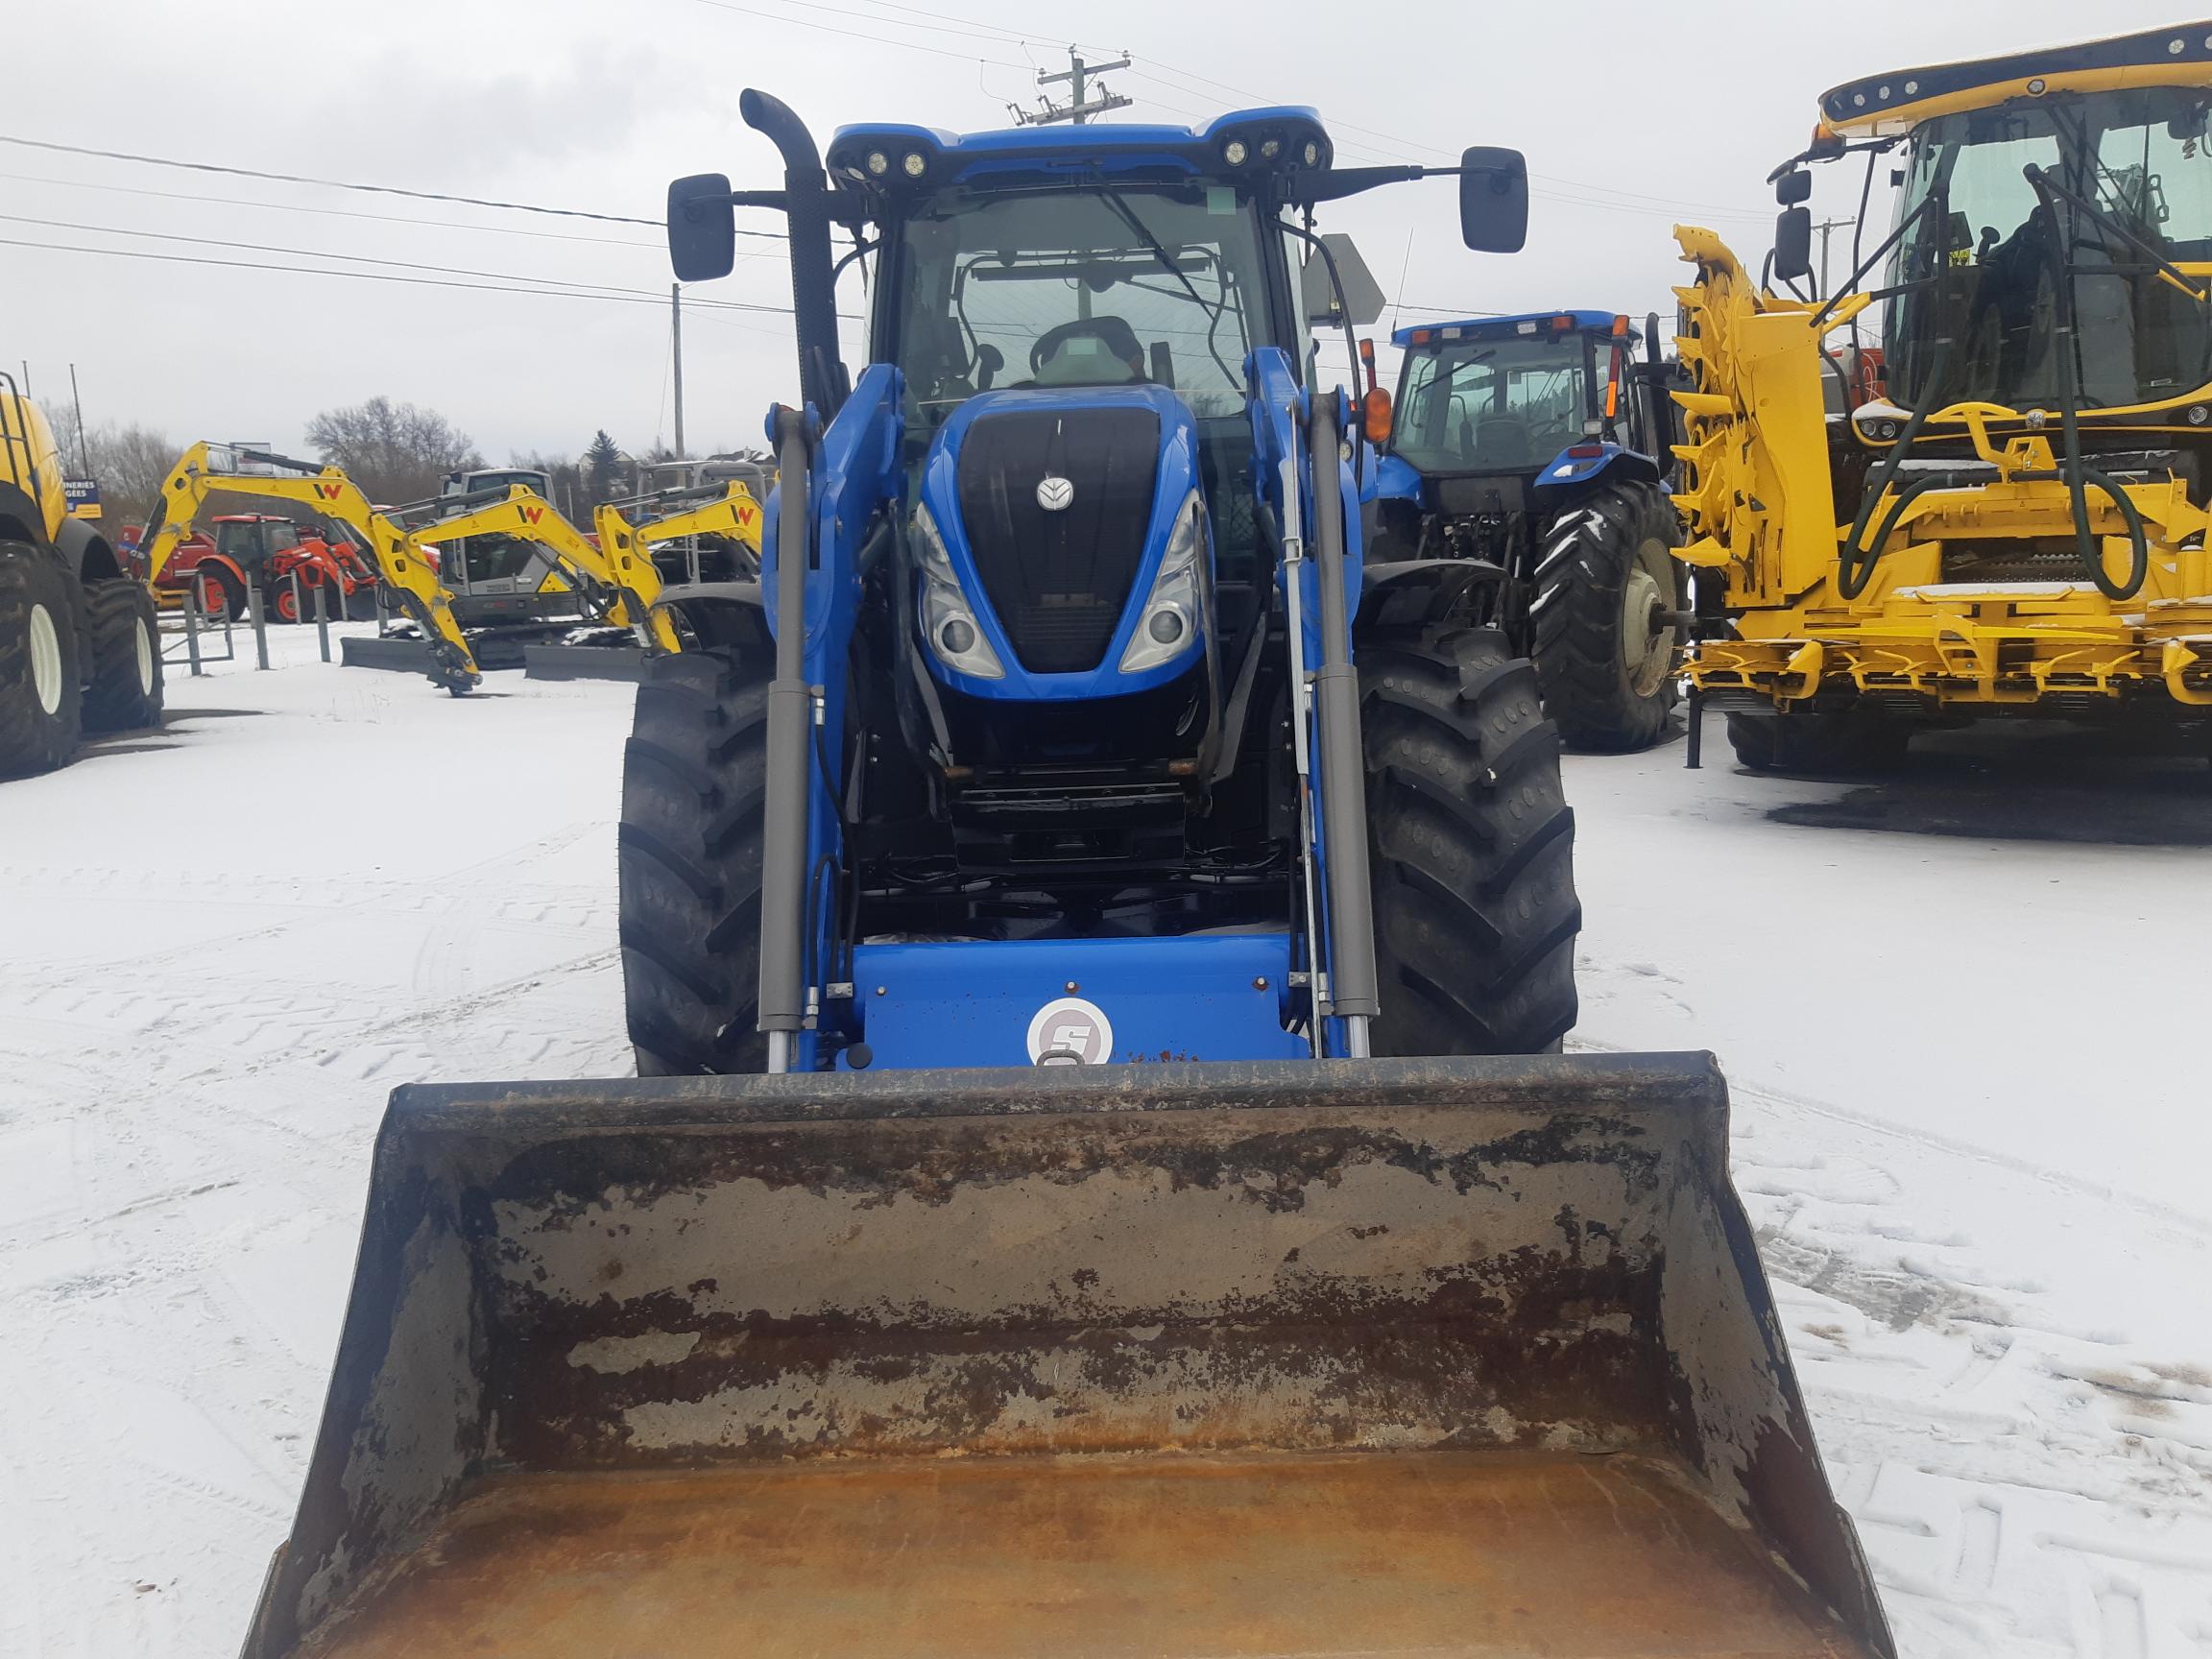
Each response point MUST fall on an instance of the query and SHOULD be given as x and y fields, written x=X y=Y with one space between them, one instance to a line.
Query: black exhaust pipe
x=821 y=379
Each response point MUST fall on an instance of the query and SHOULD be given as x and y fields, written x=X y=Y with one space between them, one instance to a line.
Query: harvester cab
x=1535 y=448
x=1068 y=733
x=2014 y=523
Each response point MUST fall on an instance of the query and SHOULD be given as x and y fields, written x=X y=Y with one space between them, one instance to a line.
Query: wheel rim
x=143 y=639
x=45 y=660
x=1646 y=643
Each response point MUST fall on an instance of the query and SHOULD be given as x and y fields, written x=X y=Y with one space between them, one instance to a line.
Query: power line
x=612 y=299
x=330 y=212
x=854 y=34
x=554 y=282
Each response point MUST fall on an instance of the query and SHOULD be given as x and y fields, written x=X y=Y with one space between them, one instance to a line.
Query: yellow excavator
x=1997 y=507
x=622 y=591
x=632 y=537
x=408 y=576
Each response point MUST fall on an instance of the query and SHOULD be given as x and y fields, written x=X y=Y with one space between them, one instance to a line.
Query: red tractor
x=242 y=543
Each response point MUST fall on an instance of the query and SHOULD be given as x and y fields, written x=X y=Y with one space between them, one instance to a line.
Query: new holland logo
x=1054 y=493
x=1071 y=1031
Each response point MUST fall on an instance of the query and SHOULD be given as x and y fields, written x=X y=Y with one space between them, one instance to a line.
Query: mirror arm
x=1306 y=236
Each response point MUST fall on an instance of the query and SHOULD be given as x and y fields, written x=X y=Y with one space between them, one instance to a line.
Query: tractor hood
x=1062 y=543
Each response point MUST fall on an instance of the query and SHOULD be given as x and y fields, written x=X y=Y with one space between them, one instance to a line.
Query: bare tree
x=395 y=452
x=128 y=461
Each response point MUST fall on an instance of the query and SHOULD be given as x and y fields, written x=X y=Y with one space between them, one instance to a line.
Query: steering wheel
x=1110 y=333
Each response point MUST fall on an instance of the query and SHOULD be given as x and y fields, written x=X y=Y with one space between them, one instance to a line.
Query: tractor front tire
x=1604 y=662
x=124 y=691
x=1843 y=741
x=1470 y=847
x=42 y=693
x=689 y=863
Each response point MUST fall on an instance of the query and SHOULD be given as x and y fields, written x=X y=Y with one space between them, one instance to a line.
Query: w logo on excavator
x=531 y=515
x=329 y=492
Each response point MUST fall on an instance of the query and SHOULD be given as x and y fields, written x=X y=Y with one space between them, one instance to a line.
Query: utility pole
x=1825 y=228
x=676 y=346
x=1077 y=75
x=84 y=453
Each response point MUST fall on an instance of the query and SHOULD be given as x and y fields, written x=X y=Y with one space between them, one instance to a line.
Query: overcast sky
x=1633 y=116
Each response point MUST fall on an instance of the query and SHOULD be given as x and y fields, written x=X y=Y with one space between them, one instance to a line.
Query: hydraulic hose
x=2078 y=478
x=1855 y=563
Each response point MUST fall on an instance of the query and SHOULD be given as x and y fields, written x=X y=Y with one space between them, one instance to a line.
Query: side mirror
x=1793 y=244
x=702 y=228
x=1493 y=199
x=1793 y=188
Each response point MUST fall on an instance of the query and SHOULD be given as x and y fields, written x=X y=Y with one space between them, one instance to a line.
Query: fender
x=723 y=612
x=1409 y=592
x=85 y=551
x=1397 y=479
x=1568 y=474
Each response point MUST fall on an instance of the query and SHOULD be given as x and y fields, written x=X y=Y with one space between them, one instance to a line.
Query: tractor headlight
x=947 y=620
x=1171 y=618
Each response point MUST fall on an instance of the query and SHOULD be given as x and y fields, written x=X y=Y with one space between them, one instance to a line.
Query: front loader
x=1093 y=943
x=2015 y=526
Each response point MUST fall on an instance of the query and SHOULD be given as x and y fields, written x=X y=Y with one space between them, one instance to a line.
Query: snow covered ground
x=1962 y=1012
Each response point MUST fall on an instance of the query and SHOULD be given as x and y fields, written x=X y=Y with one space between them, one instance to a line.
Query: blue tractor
x=1537 y=448
x=1085 y=728
x=1070 y=731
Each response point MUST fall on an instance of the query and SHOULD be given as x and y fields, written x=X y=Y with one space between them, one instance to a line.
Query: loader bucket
x=1463 y=1357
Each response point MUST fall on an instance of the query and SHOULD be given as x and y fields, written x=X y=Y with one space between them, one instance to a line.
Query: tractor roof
x=1509 y=327
x=1271 y=140
x=2178 y=55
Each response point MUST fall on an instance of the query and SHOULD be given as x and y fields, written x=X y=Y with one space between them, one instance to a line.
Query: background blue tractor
x=1085 y=728
x=1537 y=448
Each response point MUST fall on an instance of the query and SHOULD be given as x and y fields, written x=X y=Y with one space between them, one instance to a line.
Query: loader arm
x=633 y=583
x=204 y=469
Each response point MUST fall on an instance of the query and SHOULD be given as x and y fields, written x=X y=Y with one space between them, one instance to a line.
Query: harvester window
x=1980 y=266
x=1078 y=287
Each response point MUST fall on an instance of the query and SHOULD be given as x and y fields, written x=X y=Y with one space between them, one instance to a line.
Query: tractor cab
x=251 y=539
x=1548 y=395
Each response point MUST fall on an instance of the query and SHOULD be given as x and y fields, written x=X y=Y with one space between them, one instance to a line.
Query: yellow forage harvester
x=1997 y=503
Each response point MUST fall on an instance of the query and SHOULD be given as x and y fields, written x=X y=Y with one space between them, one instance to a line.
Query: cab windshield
x=1983 y=264
x=1090 y=286
x=1501 y=405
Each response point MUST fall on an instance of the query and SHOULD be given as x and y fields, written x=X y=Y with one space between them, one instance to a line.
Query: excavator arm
x=633 y=583
x=207 y=469
x=733 y=513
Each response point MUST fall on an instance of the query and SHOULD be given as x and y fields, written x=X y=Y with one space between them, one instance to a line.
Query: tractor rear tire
x=1606 y=671
x=689 y=863
x=124 y=690
x=41 y=692
x=224 y=597
x=1843 y=741
x=1470 y=847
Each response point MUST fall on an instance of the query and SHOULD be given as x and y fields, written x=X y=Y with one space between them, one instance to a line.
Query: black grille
x=1058 y=581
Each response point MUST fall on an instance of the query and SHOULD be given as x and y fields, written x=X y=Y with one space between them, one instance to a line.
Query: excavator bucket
x=1435 y=1358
